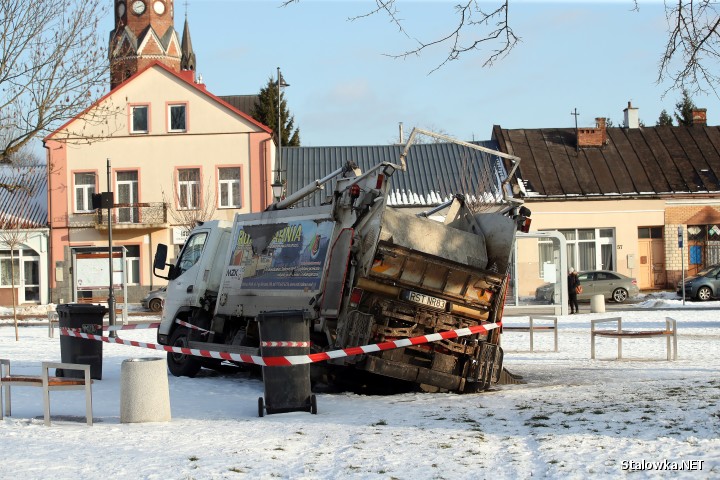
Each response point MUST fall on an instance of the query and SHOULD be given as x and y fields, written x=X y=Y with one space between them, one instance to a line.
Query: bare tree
x=22 y=187
x=53 y=64
x=475 y=27
x=689 y=60
x=188 y=208
x=693 y=47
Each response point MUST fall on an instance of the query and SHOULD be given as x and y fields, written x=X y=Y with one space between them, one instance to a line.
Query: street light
x=277 y=185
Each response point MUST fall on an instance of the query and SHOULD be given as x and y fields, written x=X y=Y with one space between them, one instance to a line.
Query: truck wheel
x=155 y=305
x=179 y=364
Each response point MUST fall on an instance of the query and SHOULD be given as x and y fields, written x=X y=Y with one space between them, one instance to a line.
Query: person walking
x=573 y=282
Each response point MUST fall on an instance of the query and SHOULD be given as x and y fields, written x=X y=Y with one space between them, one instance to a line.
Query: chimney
x=632 y=117
x=593 y=137
x=699 y=117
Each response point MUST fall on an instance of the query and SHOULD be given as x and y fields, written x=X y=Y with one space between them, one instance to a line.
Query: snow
x=574 y=418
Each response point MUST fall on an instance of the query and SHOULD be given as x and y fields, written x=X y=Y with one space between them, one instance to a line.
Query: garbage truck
x=361 y=272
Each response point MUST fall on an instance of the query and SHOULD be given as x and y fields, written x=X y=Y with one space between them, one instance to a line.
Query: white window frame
x=232 y=186
x=132 y=118
x=169 y=117
x=87 y=190
x=188 y=190
x=573 y=248
x=132 y=266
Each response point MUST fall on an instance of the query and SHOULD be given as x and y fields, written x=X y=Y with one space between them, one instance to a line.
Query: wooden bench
x=47 y=383
x=536 y=328
x=670 y=334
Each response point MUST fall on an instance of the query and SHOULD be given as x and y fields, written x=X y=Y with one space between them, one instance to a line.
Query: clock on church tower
x=144 y=33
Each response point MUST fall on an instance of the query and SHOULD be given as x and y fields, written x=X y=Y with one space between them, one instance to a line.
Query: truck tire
x=179 y=364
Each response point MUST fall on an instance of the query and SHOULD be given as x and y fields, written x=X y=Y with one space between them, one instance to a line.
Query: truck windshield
x=191 y=252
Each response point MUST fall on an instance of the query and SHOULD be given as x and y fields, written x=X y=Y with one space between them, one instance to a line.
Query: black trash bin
x=287 y=389
x=87 y=319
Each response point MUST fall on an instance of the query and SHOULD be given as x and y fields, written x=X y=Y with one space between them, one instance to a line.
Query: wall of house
x=624 y=217
x=215 y=136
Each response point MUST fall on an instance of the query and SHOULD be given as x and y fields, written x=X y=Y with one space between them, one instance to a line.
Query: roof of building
x=24 y=207
x=643 y=161
x=244 y=103
x=435 y=171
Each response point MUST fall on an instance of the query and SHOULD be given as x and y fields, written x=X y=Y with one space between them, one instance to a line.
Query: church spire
x=187 y=61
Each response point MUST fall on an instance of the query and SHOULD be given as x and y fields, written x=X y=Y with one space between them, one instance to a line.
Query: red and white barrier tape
x=190 y=325
x=284 y=344
x=288 y=360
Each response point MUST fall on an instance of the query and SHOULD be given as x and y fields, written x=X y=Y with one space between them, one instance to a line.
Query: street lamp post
x=277 y=184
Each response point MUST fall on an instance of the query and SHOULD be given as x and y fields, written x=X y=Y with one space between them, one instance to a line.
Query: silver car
x=154 y=300
x=612 y=285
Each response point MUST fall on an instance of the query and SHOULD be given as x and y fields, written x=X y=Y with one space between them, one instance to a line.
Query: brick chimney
x=592 y=137
x=699 y=117
x=632 y=117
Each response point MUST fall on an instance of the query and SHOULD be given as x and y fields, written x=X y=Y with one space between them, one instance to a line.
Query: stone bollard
x=144 y=390
x=597 y=304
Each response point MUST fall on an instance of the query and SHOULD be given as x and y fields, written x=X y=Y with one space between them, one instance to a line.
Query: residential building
x=619 y=195
x=23 y=234
x=170 y=151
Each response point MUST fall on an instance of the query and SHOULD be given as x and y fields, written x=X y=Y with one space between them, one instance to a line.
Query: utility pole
x=111 y=297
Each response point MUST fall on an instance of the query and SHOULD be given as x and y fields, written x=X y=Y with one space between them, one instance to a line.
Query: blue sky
x=344 y=90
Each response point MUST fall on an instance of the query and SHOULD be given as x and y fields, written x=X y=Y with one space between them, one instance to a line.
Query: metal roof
x=652 y=161
x=435 y=171
x=23 y=201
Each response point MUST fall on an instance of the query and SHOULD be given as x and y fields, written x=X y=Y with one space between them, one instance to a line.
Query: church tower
x=144 y=33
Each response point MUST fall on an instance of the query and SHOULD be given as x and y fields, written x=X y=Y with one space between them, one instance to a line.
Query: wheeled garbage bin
x=287 y=389
x=87 y=319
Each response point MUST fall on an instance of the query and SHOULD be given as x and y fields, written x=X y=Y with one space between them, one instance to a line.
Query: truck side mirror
x=159 y=261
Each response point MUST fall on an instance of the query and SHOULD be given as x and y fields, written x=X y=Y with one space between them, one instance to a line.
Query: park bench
x=669 y=333
x=47 y=383
x=533 y=327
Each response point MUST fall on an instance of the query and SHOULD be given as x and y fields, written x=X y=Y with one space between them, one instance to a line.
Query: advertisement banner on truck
x=287 y=255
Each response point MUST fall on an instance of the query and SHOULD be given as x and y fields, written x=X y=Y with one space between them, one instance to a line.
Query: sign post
x=682 y=260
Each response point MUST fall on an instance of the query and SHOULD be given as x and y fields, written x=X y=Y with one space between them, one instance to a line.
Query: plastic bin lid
x=81 y=307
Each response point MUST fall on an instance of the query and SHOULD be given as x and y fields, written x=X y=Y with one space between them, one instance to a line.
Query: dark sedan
x=703 y=286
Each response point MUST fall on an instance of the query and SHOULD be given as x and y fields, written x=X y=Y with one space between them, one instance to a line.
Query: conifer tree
x=684 y=109
x=266 y=112
x=665 y=119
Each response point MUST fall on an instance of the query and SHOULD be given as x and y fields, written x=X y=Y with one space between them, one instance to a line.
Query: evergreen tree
x=266 y=112
x=684 y=109
x=665 y=119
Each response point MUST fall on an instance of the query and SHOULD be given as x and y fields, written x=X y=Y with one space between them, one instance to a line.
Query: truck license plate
x=423 y=299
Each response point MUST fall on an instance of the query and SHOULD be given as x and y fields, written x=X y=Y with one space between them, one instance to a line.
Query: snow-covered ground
x=575 y=417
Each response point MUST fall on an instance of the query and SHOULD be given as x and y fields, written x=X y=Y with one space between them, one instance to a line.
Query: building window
x=139 y=119
x=188 y=188
x=132 y=264
x=587 y=249
x=177 y=115
x=229 y=187
x=84 y=188
x=8 y=274
x=704 y=244
x=650 y=232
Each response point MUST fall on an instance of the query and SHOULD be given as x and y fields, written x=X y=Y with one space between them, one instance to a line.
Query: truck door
x=184 y=288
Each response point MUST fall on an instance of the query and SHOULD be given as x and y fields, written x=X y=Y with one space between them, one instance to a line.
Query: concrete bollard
x=144 y=390
x=597 y=304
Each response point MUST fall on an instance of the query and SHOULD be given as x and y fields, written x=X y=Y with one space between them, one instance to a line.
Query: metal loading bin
x=87 y=319
x=287 y=389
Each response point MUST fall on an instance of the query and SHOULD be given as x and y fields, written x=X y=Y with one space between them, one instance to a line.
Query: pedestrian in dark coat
x=573 y=282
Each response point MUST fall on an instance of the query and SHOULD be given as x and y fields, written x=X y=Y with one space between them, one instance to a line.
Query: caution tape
x=288 y=360
x=190 y=325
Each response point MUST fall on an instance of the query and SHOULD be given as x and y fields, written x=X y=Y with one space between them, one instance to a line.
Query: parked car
x=154 y=300
x=612 y=285
x=703 y=286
